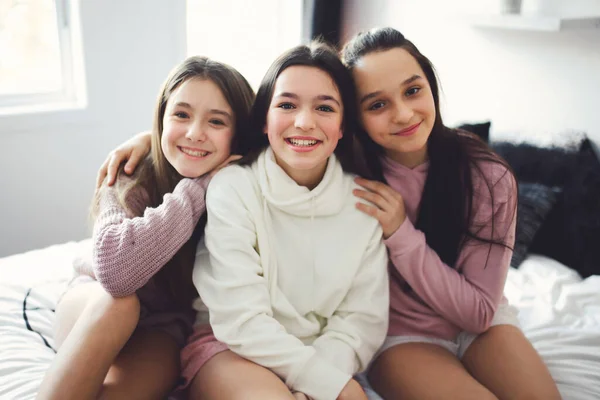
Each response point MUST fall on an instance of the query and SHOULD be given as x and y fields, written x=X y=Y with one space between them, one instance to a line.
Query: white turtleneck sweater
x=295 y=279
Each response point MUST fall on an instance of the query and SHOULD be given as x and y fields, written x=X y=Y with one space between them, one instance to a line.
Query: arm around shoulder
x=132 y=245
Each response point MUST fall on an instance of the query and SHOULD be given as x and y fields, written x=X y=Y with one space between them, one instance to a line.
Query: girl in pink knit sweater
x=122 y=322
x=447 y=205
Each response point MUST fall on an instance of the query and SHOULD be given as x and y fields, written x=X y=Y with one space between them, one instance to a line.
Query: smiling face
x=198 y=126
x=396 y=104
x=304 y=122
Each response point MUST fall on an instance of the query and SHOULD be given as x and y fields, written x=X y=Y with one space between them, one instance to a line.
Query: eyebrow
x=322 y=97
x=378 y=92
x=213 y=111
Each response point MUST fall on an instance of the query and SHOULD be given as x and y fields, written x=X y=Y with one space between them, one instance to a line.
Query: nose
x=196 y=132
x=403 y=114
x=305 y=120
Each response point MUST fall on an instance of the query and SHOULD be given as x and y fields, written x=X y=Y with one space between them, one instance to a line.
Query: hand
x=388 y=206
x=300 y=396
x=352 y=391
x=131 y=151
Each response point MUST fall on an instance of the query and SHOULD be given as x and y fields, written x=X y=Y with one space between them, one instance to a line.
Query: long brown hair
x=157 y=177
x=320 y=55
x=453 y=157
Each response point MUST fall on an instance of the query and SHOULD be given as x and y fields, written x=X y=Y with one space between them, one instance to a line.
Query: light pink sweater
x=443 y=301
x=129 y=248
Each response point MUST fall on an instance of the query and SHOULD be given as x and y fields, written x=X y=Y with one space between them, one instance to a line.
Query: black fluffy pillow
x=535 y=201
x=551 y=166
x=481 y=129
x=571 y=232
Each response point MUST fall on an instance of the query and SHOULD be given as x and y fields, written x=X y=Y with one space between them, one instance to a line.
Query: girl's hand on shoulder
x=387 y=204
x=131 y=151
x=352 y=391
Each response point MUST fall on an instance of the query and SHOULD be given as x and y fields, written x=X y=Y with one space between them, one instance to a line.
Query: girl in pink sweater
x=122 y=322
x=447 y=206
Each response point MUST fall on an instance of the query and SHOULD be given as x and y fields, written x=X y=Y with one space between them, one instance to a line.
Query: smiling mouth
x=409 y=131
x=194 y=153
x=302 y=142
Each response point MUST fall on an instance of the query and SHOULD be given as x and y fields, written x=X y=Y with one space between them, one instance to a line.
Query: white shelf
x=535 y=22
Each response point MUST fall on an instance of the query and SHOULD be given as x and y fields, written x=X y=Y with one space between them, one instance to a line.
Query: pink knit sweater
x=443 y=301
x=129 y=248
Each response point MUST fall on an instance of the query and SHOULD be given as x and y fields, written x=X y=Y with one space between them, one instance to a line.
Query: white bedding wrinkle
x=559 y=313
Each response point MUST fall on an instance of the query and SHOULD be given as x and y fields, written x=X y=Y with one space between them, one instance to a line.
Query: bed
x=559 y=313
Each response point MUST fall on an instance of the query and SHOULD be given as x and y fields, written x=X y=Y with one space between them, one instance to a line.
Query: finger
x=372 y=198
x=113 y=169
x=370 y=210
x=378 y=187
x=102 y=172
x=133 y=161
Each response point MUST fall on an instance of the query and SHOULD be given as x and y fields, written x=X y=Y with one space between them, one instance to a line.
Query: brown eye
x=412 y=91
x=377 y=105
x=286 y=106
x=325 y=108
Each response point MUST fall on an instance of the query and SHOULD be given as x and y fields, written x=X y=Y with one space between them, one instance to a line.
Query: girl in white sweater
x=295 y=277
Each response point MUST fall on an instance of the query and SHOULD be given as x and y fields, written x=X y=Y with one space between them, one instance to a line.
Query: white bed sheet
x=559 y=313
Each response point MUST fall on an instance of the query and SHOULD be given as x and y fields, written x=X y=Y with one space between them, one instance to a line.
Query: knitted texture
x=130 y=247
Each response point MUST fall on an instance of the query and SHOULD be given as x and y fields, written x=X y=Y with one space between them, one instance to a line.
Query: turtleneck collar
x=282 y=192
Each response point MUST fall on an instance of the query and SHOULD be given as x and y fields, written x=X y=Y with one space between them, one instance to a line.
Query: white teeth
x=194 y=153
x=302 y=142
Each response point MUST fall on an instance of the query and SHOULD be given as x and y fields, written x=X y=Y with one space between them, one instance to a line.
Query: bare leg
x=228 y=376
x=92 y=328
x=424 y=371
x=504 y=361
x=147 y=368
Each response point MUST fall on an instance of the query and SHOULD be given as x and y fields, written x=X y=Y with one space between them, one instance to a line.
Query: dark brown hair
x=453 y=157
x=320 y=55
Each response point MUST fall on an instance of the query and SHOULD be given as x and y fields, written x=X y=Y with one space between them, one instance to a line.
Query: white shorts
x=505 y=315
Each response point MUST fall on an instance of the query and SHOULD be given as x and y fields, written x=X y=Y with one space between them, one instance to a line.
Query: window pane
x=30 y=60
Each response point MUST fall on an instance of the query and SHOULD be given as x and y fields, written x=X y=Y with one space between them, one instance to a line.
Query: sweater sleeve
x=233 y=288
x=131 y=247
x=469 y=295
x=358 y=327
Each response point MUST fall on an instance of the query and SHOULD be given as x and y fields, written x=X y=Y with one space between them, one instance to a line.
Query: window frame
x=72 y=93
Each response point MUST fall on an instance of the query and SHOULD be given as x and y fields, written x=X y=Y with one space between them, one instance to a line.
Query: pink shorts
x=201 y=347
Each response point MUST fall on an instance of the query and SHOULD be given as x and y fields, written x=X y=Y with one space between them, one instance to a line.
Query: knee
x=125 y=310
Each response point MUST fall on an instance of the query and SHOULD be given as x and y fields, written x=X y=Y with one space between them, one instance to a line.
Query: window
x=248 y=35
x=37 y=63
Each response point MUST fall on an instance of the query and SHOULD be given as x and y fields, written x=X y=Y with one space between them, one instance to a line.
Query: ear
x=264 y=129
x=341 y=133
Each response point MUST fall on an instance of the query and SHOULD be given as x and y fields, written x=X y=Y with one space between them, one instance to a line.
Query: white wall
x=248 y=35
x=533 y=86
x=49 y=161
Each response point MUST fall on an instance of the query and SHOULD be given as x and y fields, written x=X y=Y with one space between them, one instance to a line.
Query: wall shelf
x=535 y=22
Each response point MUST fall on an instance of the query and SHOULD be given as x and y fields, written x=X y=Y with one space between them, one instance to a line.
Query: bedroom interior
x=531 y=93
